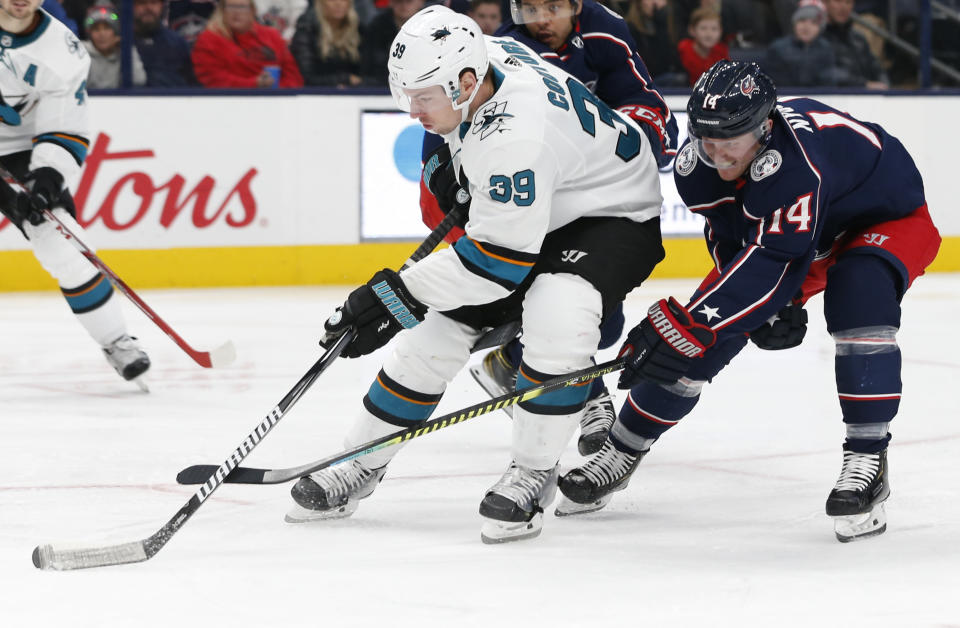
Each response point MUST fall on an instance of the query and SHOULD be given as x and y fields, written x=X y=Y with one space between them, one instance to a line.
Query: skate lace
x=523 y=486
x=598 y=413
x=609 y=465
x=342 y=479
x=858 y=471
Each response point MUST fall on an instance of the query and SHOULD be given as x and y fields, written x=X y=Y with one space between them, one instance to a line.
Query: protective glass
x=533 y=11
x=726 y=153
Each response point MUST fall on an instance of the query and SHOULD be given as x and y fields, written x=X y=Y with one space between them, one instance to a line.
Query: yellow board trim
x=348 y=264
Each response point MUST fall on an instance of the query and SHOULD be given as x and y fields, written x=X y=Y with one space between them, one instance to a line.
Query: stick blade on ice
x=47 y=557
x=222 y=356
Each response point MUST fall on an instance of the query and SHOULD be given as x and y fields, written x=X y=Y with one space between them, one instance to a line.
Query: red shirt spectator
x=236 y=51
x=704 y=47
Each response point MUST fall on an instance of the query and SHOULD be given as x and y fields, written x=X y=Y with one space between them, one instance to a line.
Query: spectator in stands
x=487 y=14
x=856 y=65
x=54 y=8
x=103 y=27
x=283 y=15
x=235 y=51
x=188 y=18
x=76 y=11
x=376 y=41
x=703 y=48
x=326 y=44
x=803 y=59
x=649 y=23
x=165 y=55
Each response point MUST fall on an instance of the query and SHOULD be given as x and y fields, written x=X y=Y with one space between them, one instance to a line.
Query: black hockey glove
x=441 y=180
x=46 y=188
x=378 y=310
x=664 y=345
x=783 y=331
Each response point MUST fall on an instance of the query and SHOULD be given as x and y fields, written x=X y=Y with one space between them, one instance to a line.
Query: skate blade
x=567 y=508
x=299 y=514
x=857 y=527
x=494 y=532
x=141 y=383
x=489 y=386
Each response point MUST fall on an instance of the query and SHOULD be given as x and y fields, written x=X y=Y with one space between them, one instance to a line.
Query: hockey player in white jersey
x=564 y=222
x=43 y=129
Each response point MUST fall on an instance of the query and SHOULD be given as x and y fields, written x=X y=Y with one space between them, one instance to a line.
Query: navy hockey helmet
x=731 y=99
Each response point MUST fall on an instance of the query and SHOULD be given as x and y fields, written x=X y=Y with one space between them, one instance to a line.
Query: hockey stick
x=199 y=474
x=50 y=557
x=217 y=358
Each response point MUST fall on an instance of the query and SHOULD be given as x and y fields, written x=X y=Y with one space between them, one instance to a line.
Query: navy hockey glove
x=783 y=331
x=441 y=180
x=378 y=310
x=664 y=345
x=653 y=127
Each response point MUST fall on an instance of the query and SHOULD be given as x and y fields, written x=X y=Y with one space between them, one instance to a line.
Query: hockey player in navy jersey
x=593 y=44
x=43 y=142
x=511 y=120
x=798 y=198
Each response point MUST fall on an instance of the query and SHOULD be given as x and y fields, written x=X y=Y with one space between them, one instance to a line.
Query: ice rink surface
x=723 y=525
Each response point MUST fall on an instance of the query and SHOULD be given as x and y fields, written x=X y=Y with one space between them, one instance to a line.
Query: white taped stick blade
x=224 y=355
x=46 y=557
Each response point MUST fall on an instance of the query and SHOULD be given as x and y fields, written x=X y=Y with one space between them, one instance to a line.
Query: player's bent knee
x=561 y=323
x=57 y=255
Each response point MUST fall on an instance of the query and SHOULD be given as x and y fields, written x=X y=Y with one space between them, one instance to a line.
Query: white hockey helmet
x=435 y=47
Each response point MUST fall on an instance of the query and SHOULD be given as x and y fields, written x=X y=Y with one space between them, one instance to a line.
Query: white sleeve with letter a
x=512 y=186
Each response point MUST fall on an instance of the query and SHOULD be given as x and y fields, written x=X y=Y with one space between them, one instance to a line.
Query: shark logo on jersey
x=491 y=119
x=73 y=45
x=686 y=160
x=765 y=165
x=440 y=34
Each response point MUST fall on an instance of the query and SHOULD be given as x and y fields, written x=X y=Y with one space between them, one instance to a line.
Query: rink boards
x=311 y=189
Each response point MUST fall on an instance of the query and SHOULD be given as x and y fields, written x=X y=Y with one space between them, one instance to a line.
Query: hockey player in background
x=798 y=198
x=594 y=44
x=43 y=129
x=564 y=222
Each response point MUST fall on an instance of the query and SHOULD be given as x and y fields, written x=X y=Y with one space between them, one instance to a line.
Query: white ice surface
x=722 y=526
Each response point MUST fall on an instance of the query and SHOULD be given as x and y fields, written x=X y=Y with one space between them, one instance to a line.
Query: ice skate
x=333 y=493
x=128 y=359
x=513 y=507
x=496 y=375
x=595 y=423
x=856 y=502
x=590 y=487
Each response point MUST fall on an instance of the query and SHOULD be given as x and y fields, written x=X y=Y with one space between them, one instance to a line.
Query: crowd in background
x=344 y=43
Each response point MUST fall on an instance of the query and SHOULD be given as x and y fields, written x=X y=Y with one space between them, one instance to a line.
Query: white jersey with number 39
x=43 y=96
x=541 y=152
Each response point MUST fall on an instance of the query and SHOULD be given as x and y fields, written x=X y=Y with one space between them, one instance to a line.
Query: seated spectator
x=326 y=44
x=103 y=27
x=856 y=65
x=165 y=55
x=649 y=23
x=379 y=35
x=188 y=18
x=803 y=59
x=703 y=48
x=487 y=14
x=235 y=51
x=282 y=15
